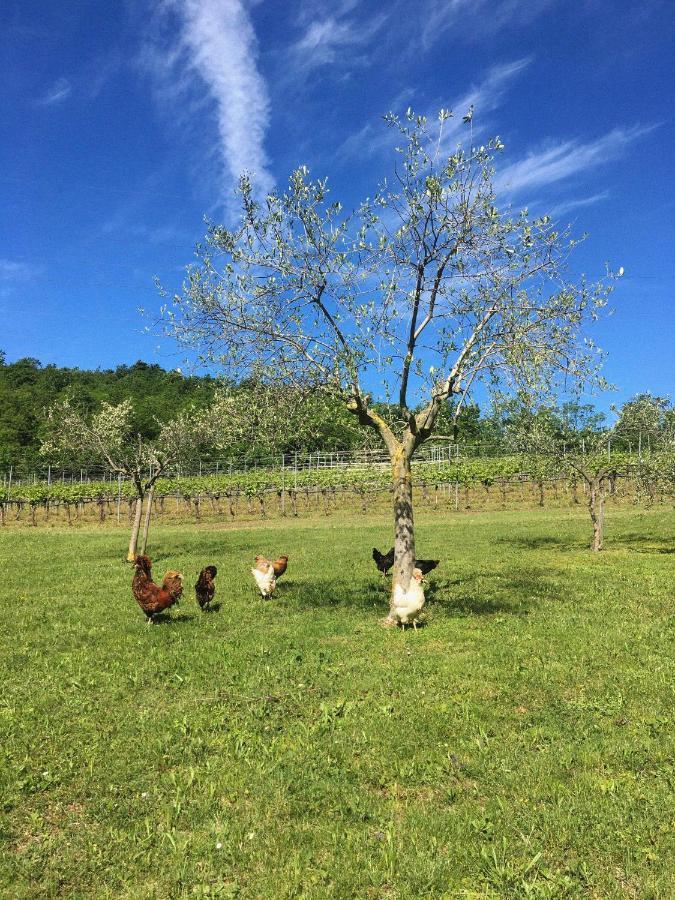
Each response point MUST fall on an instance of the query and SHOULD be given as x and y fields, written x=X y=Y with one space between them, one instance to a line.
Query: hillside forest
x=28 y=389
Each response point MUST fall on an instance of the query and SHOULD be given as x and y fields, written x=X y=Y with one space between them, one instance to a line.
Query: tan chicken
x=263 y=572
x=408 y=604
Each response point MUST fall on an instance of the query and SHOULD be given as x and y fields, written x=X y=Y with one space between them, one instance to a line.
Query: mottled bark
x=135 y=528
x=404 y=527
x=146 y=523
x=596 y=507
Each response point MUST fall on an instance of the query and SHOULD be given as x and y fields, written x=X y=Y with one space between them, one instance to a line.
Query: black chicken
x=383 y=561
x=426 y=565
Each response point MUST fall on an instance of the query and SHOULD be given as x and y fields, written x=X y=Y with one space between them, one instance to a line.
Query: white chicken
x=408 y=604
x=263 y=572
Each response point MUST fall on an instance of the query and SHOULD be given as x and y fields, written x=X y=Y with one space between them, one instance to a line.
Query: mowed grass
x=517 y=745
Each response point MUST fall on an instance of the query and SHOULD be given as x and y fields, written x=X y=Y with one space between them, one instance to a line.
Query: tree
x=544 y=435
x=646 y=422
x=427 y=288
x=108 y=436
x=274 y=421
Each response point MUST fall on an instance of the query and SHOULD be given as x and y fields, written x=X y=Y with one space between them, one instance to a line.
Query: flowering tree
x=109 y=437
x=425 y=290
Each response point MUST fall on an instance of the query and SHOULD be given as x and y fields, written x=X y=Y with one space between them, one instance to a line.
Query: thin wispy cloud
x=327 y=39
x=217 y=43
x=14 y=270
x=561 y=209
x=566 y=159
x=474 y=19
x=56 y=93
x=13 y=274
x=485 y=97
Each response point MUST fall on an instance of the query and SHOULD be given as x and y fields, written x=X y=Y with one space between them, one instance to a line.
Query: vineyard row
x=257 y=483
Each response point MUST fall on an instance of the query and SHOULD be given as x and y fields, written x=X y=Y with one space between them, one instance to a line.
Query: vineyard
x=459 y=484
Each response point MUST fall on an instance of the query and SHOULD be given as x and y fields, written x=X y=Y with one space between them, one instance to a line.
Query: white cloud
x=218 y=43
x=566 y=206
x=12 y=270
x=57 y=93
x=14 y=273
x=325 y=40
x=485 y=97
x=563 y=160
x=475 y=18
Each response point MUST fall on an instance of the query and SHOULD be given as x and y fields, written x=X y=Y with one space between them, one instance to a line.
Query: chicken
x=426 y=565
x=150 y=597
x=280 y=565
x=383 y=561
x=407 y=605
x=205 y=588
x=263 y=572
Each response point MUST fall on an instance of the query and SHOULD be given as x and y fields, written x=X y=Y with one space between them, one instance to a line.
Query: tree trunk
x=596 y=507
x=146 y=523
x=136 y=527
x=404 y=529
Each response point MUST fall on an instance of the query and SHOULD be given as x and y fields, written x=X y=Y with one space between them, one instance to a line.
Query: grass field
x=518 y=745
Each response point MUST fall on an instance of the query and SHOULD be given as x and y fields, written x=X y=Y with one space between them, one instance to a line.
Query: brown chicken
x=205 y=588
x=150 y=597
x=280 y=565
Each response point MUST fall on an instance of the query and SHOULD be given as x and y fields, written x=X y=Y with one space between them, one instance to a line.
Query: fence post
x=119 y=495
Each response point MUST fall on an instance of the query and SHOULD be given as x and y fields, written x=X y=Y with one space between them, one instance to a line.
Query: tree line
x=29 y=389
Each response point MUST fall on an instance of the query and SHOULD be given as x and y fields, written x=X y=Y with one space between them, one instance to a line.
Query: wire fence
x=439 y=452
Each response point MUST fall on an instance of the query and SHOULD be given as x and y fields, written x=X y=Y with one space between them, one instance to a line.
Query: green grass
x=518 y=745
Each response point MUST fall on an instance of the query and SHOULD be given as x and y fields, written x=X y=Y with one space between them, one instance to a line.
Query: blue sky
x=126 y=123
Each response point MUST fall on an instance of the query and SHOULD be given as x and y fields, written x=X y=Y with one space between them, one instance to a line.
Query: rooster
x=205 y=587
x=280 y=565
x=407 y=605
x=263 y=572
x=150 y=597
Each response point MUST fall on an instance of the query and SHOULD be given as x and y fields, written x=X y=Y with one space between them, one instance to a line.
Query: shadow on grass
x=175 y=619
x=358 y=594
x=516 y=595
x=540 y=542
x=643 y=543
x=211 y=608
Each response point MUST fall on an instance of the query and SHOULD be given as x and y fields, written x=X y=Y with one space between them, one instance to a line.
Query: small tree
x=541 y=433
x=108 y=436
x=427 y=289
x=597 y=469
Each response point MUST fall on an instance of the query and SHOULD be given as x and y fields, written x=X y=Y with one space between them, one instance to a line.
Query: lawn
x=517 y=745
